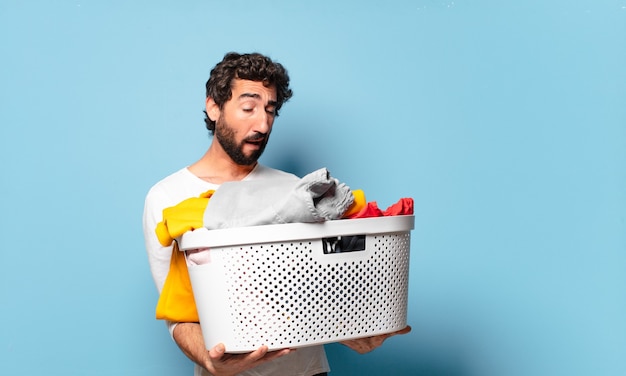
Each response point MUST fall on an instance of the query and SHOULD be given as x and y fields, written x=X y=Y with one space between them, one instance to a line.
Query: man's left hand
x=367 y=344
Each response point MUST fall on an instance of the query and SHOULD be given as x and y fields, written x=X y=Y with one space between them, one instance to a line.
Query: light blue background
x=504 y=120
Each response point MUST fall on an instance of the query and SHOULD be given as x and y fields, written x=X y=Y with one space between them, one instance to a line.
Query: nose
x=264 y=123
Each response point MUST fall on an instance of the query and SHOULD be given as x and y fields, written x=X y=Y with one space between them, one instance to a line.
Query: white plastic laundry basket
x=301 y=284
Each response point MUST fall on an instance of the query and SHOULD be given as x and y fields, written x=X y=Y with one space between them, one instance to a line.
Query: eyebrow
x=257 y=96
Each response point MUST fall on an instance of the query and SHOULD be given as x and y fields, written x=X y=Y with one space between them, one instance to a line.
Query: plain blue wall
x=504 y=120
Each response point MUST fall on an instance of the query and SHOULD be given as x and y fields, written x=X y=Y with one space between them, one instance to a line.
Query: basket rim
x=205 y=238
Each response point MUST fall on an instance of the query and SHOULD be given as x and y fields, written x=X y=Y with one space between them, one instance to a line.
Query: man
x=244 y=94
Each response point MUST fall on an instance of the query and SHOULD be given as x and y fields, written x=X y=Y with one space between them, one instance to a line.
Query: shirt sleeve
x=158 y=255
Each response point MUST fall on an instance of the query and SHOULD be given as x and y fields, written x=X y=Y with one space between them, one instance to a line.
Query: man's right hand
x=219 y=363
x=189 y=338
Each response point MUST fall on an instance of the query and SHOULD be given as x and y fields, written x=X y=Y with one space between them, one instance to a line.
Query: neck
x=216 y=167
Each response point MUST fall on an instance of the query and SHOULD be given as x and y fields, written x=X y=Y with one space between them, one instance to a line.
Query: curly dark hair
x=254 y=67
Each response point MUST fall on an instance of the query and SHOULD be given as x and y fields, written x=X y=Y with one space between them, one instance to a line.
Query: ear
x=212 y=109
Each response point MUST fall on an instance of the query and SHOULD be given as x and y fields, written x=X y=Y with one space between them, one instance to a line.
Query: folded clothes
x=316 y=197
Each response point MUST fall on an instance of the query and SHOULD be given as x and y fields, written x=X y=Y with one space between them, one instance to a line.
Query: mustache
x=257 y=136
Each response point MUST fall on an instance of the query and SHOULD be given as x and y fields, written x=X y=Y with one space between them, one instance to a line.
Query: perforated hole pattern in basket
x=282 y=295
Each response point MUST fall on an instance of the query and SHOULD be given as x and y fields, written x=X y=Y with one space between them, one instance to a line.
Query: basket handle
x=342 y=244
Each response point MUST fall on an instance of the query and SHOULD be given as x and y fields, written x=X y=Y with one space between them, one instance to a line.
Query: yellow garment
x=176 y=302
x=185 y=216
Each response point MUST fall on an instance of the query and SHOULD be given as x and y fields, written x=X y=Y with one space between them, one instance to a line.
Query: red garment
x=370 y=210
x=404 y=206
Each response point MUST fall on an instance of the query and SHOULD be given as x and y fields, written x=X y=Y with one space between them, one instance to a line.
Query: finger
x=217 y=351
x=257 y=354
x=262 y=354
x=406 y=330
x=277 y=354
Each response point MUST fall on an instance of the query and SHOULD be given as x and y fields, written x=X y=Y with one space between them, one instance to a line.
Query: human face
x=245 y=121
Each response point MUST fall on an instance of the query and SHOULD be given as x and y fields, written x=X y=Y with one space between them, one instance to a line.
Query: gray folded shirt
x=316 y=197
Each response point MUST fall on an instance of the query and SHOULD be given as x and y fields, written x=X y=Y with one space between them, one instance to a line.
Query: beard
x=225 y=135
